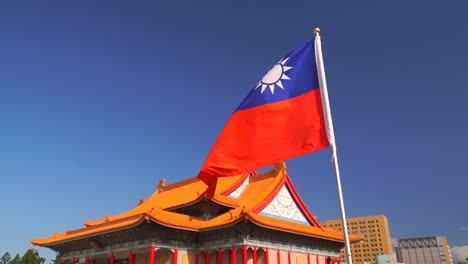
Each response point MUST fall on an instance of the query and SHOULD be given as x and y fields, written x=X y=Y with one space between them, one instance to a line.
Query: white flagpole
x=331 y=135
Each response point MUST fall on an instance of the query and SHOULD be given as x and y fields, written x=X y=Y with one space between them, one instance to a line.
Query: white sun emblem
x=274 y=77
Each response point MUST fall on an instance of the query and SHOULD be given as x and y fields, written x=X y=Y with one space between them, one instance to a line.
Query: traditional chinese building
x=245 y=219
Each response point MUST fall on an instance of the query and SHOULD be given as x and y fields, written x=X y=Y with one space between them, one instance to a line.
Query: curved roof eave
x=91 y=231
x=296 y=229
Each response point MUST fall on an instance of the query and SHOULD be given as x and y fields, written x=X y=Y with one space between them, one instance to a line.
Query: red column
x=317 y=260
x=73 y=261
x=207 y=257
x=289 y=257
x=219 y=256
x=255 y=255
x=244 y=254
x=267 y=258
x=151 y=254
x=234 y=255
x=174 y=256
x=130 y=256
x=339 y=261
x=112 y=258
x=196 y=257
x=308 y=258
x=278 y=256
x=87 y=260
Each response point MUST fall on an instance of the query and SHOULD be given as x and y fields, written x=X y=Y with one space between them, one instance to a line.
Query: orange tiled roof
x=260 y=190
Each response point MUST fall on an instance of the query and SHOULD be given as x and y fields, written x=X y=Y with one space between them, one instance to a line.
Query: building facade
x=384 y=259
x=429 y=250
x=244 y=219
x=376 y=233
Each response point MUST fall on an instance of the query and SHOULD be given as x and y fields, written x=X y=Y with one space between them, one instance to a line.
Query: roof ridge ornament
x=161 y=185
x=280 y=167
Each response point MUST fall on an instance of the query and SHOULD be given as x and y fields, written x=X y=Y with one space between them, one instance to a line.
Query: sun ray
x=280 y=84
x=264 y=86
x=272 y=88
x=285 y=77
x=287 y=68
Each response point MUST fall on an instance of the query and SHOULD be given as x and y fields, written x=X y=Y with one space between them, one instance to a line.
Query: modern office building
x=428 y=250
x=376 y=237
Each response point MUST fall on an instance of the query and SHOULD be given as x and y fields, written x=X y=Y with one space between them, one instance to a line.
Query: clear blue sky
x=99 y=100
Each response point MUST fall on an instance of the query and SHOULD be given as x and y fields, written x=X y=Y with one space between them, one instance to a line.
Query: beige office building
x=377 y=237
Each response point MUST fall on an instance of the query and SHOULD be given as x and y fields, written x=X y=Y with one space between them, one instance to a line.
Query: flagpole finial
x=316 y=31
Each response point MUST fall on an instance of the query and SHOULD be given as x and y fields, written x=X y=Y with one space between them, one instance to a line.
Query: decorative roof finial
x=161 y=185
x=280 y=167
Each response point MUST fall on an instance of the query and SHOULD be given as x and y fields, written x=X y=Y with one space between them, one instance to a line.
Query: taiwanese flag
x=280 y=118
